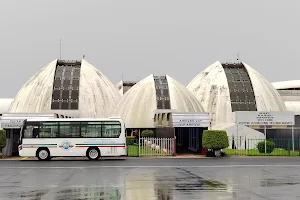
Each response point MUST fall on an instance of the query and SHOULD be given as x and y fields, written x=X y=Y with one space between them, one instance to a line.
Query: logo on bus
x=66 y=145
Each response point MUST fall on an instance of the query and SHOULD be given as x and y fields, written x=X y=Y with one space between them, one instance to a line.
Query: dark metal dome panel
x=162 y=92
x=65 y=94
x=240 y=87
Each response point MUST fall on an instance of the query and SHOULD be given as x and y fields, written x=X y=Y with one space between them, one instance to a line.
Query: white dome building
x=225 y=88
x=290 y=93
x=70 y=88
x=138 y=104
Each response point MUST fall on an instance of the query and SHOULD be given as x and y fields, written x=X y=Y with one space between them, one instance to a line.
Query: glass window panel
x=111 y=131
x=66 y=83
x=59 y=67
x=56 y=94
x=74 y=94
x=75 y=83
x=74 y=105
x=31 y=130
x=93 y=131
x=243 y=107
x=65 y=105
x=48 y=130
x=69 y=129
x=55 y=105
x=65 y=94
x=57 y=83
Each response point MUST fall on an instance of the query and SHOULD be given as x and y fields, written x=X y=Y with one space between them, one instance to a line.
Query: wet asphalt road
x=130 y=179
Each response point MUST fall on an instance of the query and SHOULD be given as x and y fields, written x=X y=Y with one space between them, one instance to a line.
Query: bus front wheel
x=43 y=154
x=93 y=153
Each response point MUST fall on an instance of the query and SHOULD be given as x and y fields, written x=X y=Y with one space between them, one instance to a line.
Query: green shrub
x=215 y=139
x=270 y=146
x=2 y=139
x=147 y=133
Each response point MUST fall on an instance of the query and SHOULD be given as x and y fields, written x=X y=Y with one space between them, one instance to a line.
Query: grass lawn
x=255 y=152
x=133 y=150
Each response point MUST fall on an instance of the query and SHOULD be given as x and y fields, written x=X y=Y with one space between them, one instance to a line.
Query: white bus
x=93 y=138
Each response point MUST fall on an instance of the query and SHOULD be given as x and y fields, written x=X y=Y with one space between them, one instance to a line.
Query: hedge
x=147 y=133
x=270 y=146
x=2 y=139
x=215 y=139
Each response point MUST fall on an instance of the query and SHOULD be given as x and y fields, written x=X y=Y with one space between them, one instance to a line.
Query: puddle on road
x=277 y=182
x=30 y=195
x=192 y=182
x=88 y=193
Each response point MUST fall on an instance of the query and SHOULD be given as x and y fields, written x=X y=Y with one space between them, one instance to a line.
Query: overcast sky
x=178 y=38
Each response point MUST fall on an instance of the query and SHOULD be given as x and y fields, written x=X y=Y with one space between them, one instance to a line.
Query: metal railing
x=156 y=146
x=150 y=147
x=252 y=147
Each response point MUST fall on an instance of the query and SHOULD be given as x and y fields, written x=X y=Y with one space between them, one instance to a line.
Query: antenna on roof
x=60 y=49
x=238 y=57
x=83 y=56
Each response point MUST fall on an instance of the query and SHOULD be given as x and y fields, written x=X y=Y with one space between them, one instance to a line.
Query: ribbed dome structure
x=154 y=92
x=71 y=88
x=290 y=93
x=225 y=88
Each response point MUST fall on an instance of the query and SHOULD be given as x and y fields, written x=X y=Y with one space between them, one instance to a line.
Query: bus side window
x=35 y=133
x=28 y=132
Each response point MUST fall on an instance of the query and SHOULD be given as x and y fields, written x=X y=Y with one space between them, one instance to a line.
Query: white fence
x=156 y=146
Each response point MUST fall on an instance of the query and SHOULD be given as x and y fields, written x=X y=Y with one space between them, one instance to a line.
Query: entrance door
x=189 y=139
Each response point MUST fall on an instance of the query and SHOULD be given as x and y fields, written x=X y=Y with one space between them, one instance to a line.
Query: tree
x=215 y=140
x=2 y=139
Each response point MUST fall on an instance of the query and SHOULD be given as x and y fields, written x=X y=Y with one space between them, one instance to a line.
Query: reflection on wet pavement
x=132 y=183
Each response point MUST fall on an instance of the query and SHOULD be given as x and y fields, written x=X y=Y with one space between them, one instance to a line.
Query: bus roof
x=74 y=119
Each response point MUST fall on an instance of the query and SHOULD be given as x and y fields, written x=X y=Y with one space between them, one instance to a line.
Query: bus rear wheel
x=93 y=153
x=43 y=154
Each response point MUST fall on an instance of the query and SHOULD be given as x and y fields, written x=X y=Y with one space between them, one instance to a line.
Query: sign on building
x=11 y=123
x=190 y=120
x=264 y=118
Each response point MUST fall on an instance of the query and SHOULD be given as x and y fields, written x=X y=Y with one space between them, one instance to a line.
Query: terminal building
x=61 y=89
x=224 y=88
x=75 y=88
x=154 y=102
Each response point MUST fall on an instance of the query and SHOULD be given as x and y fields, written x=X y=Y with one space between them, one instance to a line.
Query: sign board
x=266 y=118
x=11 y=123
x=15 y=120
x=190 y=120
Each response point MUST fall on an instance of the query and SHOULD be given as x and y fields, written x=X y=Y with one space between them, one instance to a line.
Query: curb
x=148 y=157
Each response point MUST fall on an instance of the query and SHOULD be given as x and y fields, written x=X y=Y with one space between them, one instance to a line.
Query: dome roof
x=225 y=88
x=292 y=84
x=71 y=88
x=138 y=104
